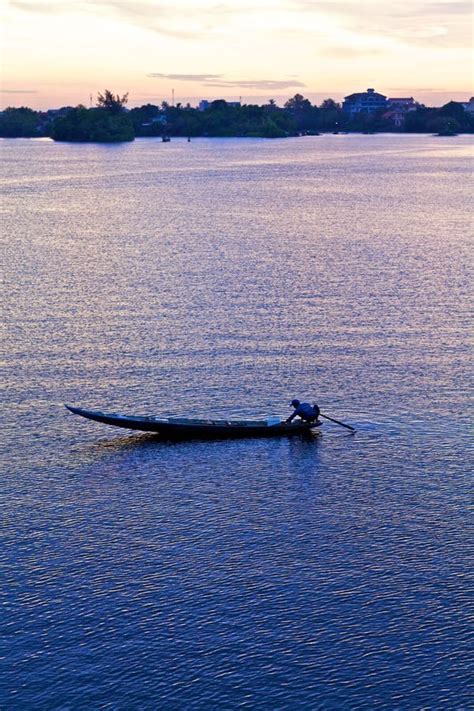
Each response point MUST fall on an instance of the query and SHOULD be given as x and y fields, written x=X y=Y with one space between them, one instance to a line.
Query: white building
x=205 y=103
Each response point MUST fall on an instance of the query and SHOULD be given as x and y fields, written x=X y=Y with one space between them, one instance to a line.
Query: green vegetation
x=110 y=121
x=92 y=125
x=298 y=116
x=220 y=119
x=107 y=123
x=20 y=123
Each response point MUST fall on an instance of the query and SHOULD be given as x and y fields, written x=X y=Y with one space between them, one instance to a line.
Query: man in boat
x=307 y=412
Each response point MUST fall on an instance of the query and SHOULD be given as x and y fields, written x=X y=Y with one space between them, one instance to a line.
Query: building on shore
x=155 y=119
x=398 y=108
x=469 y=105
x=364 y=102
x=205 y=104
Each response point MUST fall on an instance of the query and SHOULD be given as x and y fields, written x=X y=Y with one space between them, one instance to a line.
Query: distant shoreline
x=110 y=121
x=158 y=139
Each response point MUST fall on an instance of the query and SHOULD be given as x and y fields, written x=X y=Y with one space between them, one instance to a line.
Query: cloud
x=217 y=80
x=18 y=91
x=424 y=89
x=256 y=84
x=418 y=23
x=374 y=7
x=447 y=8
x=350 y=52
x=186 y=77
x=48 y=8
x=150 y=16
x=143 y=8
x=438 y=23
x=189 y=20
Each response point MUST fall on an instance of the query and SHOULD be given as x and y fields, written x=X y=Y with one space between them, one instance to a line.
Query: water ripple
x=225 y=278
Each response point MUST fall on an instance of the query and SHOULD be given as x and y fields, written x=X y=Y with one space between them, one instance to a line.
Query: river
x=224 y=277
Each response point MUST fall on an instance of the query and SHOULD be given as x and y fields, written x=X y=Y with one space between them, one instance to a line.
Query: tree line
x=110 y=121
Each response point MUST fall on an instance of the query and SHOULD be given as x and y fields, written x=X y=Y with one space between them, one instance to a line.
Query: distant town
x=110 y=120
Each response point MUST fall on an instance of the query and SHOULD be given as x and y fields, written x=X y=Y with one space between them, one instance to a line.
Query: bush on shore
x=93 y=125
x=20 y=123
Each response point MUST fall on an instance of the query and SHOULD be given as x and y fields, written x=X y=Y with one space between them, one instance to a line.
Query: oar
x=349 y=427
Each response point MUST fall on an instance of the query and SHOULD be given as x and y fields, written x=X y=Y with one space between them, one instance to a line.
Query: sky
x=62 y=52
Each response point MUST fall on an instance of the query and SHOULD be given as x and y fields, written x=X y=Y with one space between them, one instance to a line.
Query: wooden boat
x=186 y=428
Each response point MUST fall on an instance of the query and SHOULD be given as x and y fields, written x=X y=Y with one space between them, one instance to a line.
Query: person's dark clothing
x=307 y=412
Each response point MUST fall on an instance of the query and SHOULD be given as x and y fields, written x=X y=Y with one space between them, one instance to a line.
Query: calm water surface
x=226 y=277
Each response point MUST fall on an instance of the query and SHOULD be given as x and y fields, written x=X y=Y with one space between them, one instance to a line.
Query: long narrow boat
x=186 y=428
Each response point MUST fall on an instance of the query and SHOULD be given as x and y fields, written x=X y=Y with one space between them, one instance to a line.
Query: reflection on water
x=224 y=278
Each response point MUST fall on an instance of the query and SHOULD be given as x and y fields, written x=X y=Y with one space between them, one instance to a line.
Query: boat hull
x=182 y=428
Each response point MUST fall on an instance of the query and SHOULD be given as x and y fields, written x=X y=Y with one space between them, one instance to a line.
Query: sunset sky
x=59 y=52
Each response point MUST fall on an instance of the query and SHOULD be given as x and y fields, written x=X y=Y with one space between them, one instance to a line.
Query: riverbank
x=223 y=120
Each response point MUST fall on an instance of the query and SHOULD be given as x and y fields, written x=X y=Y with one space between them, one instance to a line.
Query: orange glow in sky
x=60 y=52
